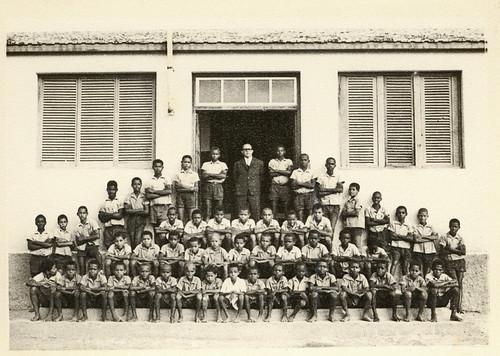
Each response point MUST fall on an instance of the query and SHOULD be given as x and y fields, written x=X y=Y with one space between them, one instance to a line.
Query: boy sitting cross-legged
x=188 y=291
x=355 y=292
x=118 y=286
x=385 y=290
x=166 y=290
x=210 y=287
x=143 y=288
x=413 y=287
x=67 y=290
x=43 y=285
x=298 y=286
x=323 y=286
x=232 y=293
x=277 y=292
x=93 y=287
x=255 y=293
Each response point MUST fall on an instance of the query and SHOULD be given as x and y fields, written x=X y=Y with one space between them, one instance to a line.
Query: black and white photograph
x=196 y=176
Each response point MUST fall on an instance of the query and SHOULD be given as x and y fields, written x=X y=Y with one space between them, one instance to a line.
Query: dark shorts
x=398 y=252
x=187 y=200
x=91 y=251
x=158 y=213
x=276 y=299
x=303 y=201
x=384 y=299
x=212 y=191
x=280 y=193
x=453 y=266
x=380 y=237
x=355 y=302
x=36 y=264
x=325 y=298
x=424 y=258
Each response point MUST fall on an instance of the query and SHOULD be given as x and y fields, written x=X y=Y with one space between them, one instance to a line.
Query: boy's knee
x=132 y=294
x=205 y=298
x=423 y=296
x=407 y=295
x=107 y=262
x=343 y=295
x=157 y=296
x=178 y=296
x=111 y=295
x=199 y=296
x=156 y=263
x=314 y=295
x=369 y=296
x=76 y=293
x=302 y=303
x=432 y=292
x=33 y=290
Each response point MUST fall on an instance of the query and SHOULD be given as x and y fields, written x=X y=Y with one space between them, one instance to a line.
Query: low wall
x=476 y=295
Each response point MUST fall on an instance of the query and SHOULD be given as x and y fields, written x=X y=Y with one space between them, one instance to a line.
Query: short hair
x=62 y=216
x=119 y=263
x=194 y=239
x=82 y=207
x=414 y=263
x=243 y=209
x=317 y=206
x=376 y=192
x=454 y=221
x=320 y=261
x=382 y=264
x=48 y=264
x=172 y=208
x=280 y=145
x=354 y=185
x=345 y=233
x=298 y=264
x=157 y=161
x=147 y=265
x=165 y=267
x=372 y=242
x=136 y=178
x=422 y=210
x=242 y=236
x=195 y=211
x=211 y=268
x=215 y=148
x=353 y=262
x=246 y=144
x=267 y=209
x=118 y=234
x=189 y=264
x=402 y=207
x=69 y=263
x=112 y=183
x=173 y=233
x=233 y=265
x=436 y=263
x=40 y=216
x=290 y=234
x=302 y=155
x=265 y=234
x=187 y=156
x=147 y=233
x=93 y=261
x=253 y=268
x=219 y=209
x=330 y=158
x=291 y=212
x=278 y=264
x=313 y=232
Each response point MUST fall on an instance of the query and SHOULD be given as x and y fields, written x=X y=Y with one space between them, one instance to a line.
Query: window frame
x=457 y=149
x=95 y=164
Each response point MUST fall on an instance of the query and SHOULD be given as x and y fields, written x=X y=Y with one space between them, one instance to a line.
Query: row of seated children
x=320 y=289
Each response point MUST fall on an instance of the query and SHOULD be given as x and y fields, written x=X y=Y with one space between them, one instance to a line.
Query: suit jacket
x=247 y=180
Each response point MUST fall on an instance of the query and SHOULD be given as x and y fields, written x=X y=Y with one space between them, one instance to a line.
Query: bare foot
x=204 y=320
x=74 y=319
x=406 y=319
x=284 y=319
x=59 y=317
x=418 y=318
x=47 y=318
x=345 y=318
x=197 y=320
x=133 y=318
x=35 y=317
x=366 y=318
x=180 y=319
x=219 y=320
x=251 y=320
x=376 y=319
x=84 y=318
x=235 y=320
x=455 y=317
x=331 y=318
x=434 y=319
x=266 y=319
x=259 y=316
x=291 y=318
x=395 y=318
x=312 y=319
x=172 y=320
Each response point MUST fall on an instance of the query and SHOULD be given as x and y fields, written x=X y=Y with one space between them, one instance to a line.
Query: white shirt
x=239 y=286
x=323 y=225
x=402 y=229
x=112 y=206
x=280 y=165
x=160 y=183
x=214 y=168
x=224 y=224
x=66 y=236
x=292 y=255
x=190 y=228
x=379 y=214
x=249 y=224
x=41 y=237
x=330 y=182
x=186 y=179
x=248 y=161
x=302 y=176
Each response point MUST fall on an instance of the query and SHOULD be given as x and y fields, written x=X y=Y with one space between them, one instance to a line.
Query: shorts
x=159 y=213
x=43 y=296
x=62 y=260
x=354 y=302
x=357 y=236
x=166 y=300
x=303 y=201
x=36 y=264
x=424 y=258
x=94 y=301
x=189 y=302
x=399 y=252
x=379 y=237
x=414 y=299
x=67 y=300
x=295 y=299
x=453 y=266
x=253 y=299
x=324 y=299
x=276 y=299
x=212 y=191
x=384 y=299
x=188 y=200
x=279 y=193
x=142 y=299
x=91 y=251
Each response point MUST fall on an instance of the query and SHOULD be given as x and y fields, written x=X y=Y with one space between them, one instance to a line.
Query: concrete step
x=188 y=314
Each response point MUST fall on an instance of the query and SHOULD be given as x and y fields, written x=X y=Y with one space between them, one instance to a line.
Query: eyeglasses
x=247 y=149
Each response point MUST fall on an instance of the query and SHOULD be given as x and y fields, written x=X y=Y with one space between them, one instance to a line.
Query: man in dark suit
x=248 y=175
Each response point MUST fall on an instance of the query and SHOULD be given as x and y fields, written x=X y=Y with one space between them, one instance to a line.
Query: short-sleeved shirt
x=258 y=285
x=314 y=252
x=442 y=278
x=138 y=281
x=239 y=256
x=168 y=251
x=273 y=284
x=43 y=278
x=327 y=281
x=247 y=225
x=408 y=282
x=387 y=279
x=424 y=247
x=124 y=282
x=355 y=285
x=302 y=176
x=350 y=251
x=298 y=286
x=99 y=281
x=223 y=225
x=280 y=165
x=453 y=242
x=402 y=229
x=147 y=252
x=160 y=183
x=214 y=168
x=297 y=226
x=190 y=228
x=213 y=256
x=215 y=285
x=323 y=225
x=177 y=225
x=112 y=206
x=84 y=230
x=66 y=236
x=378 y=253
x=292 y=255
x=185 y=285
x=353 y=205
x=371 y=212
x=66 y=282
x=41 y=237
x=262 y=225
x=186 y=178
x=327 y=181
x=259 y=252
x=190 y=255
x=170 y=283
x=124 y=251
x=239 y=286
x=136 y=201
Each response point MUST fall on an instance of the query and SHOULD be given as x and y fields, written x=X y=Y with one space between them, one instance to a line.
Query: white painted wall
x=446 y=193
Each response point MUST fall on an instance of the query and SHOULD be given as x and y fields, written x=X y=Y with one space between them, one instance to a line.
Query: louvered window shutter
x=361 y=120
x=59 y=117
x=437 y=120
x=399 y=119
x=97 y=120
x=136 y=119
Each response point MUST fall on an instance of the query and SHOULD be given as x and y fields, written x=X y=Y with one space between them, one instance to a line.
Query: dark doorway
x=230 y=129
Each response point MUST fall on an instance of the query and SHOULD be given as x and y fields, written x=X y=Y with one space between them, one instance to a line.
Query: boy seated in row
x=166 y=291
x=293 y=225
x=167 y=226
x=194 y=254
x=373 y=254
x=324 y=290
x=67 y=291
x=118 y=291
x=321 y=224
x=93 y=286
x=277 y=293
x=188 y=291
x=145 y=253
x=384 y=290
x=298 y=286
x=195 y=227
x=210 y=289
x=288 y=255
x=414 y=291
x=263 y=255
x=215 y=255
x=120 y=251
x=239 y=255
x=355 y=292
x=256 y=290
x=243 y=224
x=220 y=226
x=343 y=253
x=173 y=253
x=232 y=293
x=43 y=286
x=269 y=225
x=442 y=289
x=142 y=290
x=314 y=252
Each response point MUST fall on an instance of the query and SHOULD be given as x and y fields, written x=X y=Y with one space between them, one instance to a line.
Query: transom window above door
x=250 y=92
